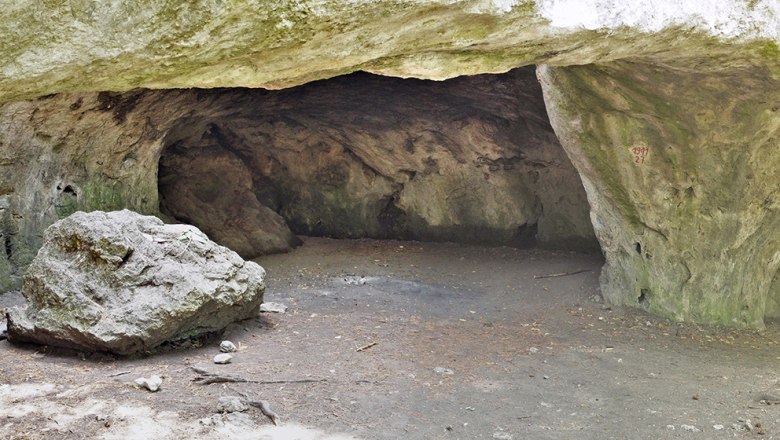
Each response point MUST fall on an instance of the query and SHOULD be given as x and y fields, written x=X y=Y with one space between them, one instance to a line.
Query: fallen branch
x=366 y=347
x=207 y=377
x=562 y=274
x=121 y=373
x=265 y=408
x=262 y=405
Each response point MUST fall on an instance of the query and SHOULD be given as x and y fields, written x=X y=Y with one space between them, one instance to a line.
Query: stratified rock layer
x=125 y=283
x=56 y=47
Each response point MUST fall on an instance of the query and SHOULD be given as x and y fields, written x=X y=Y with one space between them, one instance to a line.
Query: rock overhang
x=82 y=46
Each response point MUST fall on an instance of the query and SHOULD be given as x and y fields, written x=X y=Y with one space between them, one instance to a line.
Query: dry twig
x=367 y=346
x=262 y=405
x=207 y=377
x=562 y=274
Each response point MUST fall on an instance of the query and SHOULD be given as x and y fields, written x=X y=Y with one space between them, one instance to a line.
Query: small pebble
x=152 y=384
x=272 y=307
x=690 y=428
x=227 y=347
x=533 y=350
x=718 y=427
x=502 y=436
x=443 y=371
x=545 y=377
x=231 y=404
x=223 y=358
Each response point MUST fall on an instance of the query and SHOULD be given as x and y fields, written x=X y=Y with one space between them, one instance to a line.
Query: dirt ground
x=468 y=345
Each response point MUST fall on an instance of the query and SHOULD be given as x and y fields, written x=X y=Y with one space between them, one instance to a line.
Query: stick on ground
x=262 y=405
x=207 y=377
x=367 y=346
x=562 y=274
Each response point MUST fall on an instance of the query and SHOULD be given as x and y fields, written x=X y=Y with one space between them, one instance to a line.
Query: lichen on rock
x=679 y=170
x=125 y=283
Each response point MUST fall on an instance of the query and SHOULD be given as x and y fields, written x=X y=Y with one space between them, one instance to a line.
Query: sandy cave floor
x=529 y=359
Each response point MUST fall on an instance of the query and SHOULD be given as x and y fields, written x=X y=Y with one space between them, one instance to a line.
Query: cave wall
x=64 y=153
x=471 y=160
x=680 y=168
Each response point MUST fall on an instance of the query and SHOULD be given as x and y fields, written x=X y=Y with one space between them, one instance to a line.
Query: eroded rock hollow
x=470 y=160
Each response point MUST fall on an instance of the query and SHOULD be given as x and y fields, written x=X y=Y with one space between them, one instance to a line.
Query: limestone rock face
x=665 y=108
x=470 y=160
x=76 y=46
x=122 y=282
x=212 y=188
x=681 y=174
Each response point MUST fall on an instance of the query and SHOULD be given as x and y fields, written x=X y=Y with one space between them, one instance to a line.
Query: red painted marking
x=639 y=154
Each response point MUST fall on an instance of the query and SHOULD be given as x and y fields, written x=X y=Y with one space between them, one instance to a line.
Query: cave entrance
x=471 y=160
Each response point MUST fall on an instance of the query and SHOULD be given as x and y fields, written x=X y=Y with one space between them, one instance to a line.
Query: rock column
x=680 y=168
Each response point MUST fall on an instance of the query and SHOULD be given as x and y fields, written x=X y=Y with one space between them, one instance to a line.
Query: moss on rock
x=689 y=226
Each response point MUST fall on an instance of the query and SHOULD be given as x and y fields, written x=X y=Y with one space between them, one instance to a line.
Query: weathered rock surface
x=680 y=170
x=122 y=282
x=212 y=189
x=87 y=46
x=472 y=159
x=687 y=232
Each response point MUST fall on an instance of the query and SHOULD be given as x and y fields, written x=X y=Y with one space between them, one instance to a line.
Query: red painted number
x=639 y=154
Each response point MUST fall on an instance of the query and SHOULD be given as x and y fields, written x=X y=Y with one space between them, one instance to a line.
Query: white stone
x=273 y=307
x=231 y=404
x=223 y=358
x=227 y=347
x=152 y=383
x=722 y=18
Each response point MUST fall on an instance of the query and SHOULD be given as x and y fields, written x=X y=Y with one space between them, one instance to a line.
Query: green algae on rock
x=692 y=231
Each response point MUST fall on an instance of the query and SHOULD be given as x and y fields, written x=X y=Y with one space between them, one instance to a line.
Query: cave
x=470 y=160
x=485 y=219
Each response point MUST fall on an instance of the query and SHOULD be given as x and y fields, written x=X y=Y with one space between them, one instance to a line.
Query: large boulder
x=122 y=282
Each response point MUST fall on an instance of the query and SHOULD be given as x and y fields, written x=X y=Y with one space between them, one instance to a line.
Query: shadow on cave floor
x=468 y=345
